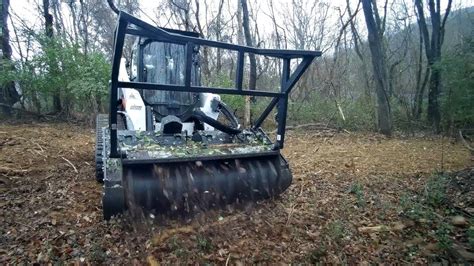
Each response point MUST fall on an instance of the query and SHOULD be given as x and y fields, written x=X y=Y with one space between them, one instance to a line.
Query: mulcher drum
x=172 y=174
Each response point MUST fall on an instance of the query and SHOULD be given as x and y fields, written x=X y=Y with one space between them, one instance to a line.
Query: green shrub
x=62 y=69
x=443 y=235
x=435 y=190
x=204 y=244
x=458 y=94
x=470 y=235
x=358 y=190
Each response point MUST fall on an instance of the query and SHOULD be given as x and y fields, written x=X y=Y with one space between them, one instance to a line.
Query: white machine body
x=135 y=110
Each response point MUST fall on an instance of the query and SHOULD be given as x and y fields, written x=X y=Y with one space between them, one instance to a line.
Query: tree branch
x=445 y=18
x=113 y=6
x=423 y=27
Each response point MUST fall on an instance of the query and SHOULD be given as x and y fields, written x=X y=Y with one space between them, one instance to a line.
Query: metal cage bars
x=144 y=29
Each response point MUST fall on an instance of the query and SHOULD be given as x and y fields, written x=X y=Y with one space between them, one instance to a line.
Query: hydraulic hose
x=201 y=116
x=233 y=129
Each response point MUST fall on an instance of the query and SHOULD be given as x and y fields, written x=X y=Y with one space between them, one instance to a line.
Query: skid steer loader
x=171 y=145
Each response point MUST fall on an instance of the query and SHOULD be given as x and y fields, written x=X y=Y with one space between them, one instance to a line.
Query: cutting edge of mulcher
x=248 y=166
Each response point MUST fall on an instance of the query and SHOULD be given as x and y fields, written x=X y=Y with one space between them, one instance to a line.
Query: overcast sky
x=28 y=10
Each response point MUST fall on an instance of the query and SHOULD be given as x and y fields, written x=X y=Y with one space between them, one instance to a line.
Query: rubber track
x=102 y=120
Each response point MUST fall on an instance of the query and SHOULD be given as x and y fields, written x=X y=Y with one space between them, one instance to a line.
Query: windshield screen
x=165 y=63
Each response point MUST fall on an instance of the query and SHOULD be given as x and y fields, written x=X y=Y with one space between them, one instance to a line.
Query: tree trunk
x=83 y=27
x=384 y=119
x=8 y=93
x=420 y=85
x=357 y=41
x=433 y=54
x=219 y=37
x=420 y=91
x=58 y=19
x=240 y=41
x=73 y=15
x=434 y=114
x=206 y=72
x=48 y=28
x=252 y=60
x=248 y=40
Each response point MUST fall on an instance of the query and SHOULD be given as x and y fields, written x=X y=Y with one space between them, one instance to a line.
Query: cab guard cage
x=127 y=24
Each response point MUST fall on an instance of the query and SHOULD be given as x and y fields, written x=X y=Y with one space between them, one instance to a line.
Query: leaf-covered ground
x=355 y=198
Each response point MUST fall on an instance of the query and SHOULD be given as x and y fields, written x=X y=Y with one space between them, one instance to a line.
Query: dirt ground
x=355 y=198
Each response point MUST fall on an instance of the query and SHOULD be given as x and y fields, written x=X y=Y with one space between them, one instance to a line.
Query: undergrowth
x=433 y=215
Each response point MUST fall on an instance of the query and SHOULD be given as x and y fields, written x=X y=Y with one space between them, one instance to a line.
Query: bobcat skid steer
x=170 y=145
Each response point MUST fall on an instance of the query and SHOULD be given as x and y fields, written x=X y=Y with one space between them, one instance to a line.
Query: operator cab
x=159 y=62
x=171 y=112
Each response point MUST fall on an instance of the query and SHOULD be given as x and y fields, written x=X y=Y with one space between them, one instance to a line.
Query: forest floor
x=355 y=198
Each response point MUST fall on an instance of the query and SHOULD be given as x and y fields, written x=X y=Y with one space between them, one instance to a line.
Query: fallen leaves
x=49 y=213
x=459 y=221
x=160 y=238
x=463 y=253
x=397 y=227
x=152 y=261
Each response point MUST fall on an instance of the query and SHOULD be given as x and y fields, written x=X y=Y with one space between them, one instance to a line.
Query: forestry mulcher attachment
x=170 y=145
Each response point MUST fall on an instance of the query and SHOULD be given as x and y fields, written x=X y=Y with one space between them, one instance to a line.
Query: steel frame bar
x=130 y=25
x=118 y=50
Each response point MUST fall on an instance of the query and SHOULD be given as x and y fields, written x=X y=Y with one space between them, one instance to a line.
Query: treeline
x=421 y=79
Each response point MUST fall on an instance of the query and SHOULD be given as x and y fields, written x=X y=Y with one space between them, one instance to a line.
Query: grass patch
x=412 y=207
x=432 y=213
x=443 y=235
x=204 y=244
x=177 y=249
x=98 y=254
x=358 y=190
x=315 y=255
x=470 y=235
x=435 y=190
x=424 y=206
x=337 y=231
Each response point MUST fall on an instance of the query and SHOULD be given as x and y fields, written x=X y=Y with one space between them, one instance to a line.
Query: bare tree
x=74 y=26
x=83 y=27
x=249 y=42
x=306 y=28
x=279 y=35
x=102 y=20
x=49 y=32
x=8 y=93
x=357 y=48
x=421 y=80
x=58 y=20
x=48 y=19
x=182 y=10
x=433 y=46
x=375 y=29
x=252 y=60
x=218 y=32
x=205 y=50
